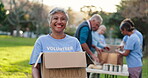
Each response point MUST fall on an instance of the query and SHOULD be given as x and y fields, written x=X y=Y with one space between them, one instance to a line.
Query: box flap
x=112 y=48
x=88 y=59
x=38 y=59
x=64 y=59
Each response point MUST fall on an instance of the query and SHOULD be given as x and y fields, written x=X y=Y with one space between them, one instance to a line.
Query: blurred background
x=22 y=21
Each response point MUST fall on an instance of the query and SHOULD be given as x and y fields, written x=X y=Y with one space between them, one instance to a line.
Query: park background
x=23 y=21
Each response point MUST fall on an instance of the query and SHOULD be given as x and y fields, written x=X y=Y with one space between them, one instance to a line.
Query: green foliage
x=112 y=22
x=70 y=30
x=137 y=11
x=4 y=26
x=44 y=30
x=2 y=12
x=25 y=14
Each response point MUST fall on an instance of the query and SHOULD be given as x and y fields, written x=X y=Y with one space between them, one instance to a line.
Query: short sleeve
x=130 y=43
x=78 y=46
x=35 y=53
x=125 y=38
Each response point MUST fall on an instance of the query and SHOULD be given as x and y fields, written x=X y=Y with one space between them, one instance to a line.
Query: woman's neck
x=57 y=35
x=130 y=33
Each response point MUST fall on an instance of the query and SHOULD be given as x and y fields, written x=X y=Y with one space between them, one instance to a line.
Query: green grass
x=14 y=57
x=8 y=41
x=145 y=67
x=15 y=54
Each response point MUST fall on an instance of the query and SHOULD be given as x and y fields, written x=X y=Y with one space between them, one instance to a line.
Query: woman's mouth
x=59 y=26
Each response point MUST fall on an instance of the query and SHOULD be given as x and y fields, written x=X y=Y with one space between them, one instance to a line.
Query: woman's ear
x=128 y=29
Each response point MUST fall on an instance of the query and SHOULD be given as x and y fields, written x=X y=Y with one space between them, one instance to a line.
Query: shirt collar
x=88 y=24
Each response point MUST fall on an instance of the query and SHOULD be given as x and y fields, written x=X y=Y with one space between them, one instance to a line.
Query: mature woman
x=132 y=51
x=57 y=41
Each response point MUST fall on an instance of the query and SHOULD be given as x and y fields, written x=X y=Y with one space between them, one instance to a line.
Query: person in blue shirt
x=99 y=39
x=57 y=41
x=84 y=35
x=132 y=50
x=138 y=33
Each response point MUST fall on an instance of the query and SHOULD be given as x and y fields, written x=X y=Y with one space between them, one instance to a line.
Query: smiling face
x=101 y=29
x=95 y=25
x=58 y=22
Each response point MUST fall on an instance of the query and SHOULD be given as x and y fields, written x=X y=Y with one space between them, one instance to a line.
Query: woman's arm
x=35 y=71
x=125 y=53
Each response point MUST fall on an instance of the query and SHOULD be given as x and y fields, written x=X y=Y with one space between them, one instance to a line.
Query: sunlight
x=106 y=5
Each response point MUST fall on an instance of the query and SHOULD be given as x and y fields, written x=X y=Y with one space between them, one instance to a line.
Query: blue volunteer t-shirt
x=98 y=40
x=135 y=55
x=101 y=40
x=49 y=44
x=138 y=34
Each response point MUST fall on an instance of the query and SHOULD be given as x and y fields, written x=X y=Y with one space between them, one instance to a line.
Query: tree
x=2 y=12
x=89 y=11
x=30 y=15
x=113 y=21
x=17 y=12
x=135 y=8
x=71 y=16
x=138 y=12
x=4 y=26
x=38 y=14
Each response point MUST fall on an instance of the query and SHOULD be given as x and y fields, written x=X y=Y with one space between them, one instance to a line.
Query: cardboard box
x=63 y=65
x=103 y=57
x=115 y=59
x=112 y=48
x=111 y=57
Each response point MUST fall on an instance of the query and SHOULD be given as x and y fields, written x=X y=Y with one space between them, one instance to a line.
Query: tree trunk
x=18 y=31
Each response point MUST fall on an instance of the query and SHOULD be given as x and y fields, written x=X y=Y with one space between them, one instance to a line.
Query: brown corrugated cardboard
x=112 y=48
x=111 y=57
x=103 y=57
x=64 y=60
x=115 y=58
x=63 y=65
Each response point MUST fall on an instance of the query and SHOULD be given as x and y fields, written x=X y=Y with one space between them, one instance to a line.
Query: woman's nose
x=59 y=20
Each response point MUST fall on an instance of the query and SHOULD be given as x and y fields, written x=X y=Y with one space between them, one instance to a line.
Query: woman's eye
x=63 y=18
x=55 y=18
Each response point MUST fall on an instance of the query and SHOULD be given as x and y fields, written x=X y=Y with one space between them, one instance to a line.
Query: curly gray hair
x=97 y=17
x=55 y=10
